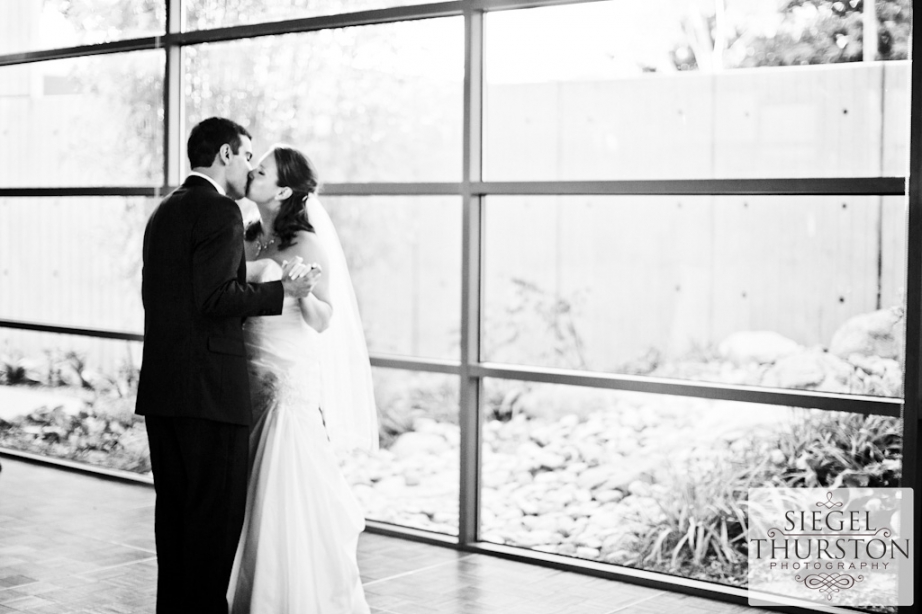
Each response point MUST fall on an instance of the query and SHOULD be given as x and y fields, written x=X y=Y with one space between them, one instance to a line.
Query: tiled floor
x=77 y=544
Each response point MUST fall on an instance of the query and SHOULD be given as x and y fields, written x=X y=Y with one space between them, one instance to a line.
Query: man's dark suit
x=193 y=389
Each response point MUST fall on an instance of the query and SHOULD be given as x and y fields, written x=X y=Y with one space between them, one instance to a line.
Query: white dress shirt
x=220 y=190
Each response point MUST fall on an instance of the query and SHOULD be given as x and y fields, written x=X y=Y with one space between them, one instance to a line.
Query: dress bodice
x=282 y=349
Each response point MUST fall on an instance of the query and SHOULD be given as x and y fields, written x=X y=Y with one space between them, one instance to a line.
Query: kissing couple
x=254 y=374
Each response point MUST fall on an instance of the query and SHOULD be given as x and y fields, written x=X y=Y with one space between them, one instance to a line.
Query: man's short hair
x=209 y=135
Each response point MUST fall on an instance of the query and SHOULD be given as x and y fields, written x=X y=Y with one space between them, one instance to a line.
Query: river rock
x=412 y=444
x=607 y=496
x=593 y=477
x=757 y=346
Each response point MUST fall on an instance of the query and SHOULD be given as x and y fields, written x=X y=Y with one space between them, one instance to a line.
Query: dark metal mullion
x=415 y=364
x=71 y=330
x=872 y=186
x=912 y=412
x=471 y=252
x=323 y=22
x=885 y=406
x=134 y=44
x=391 y=189
x=506 y=5
x=810 y=186
x=70 y=191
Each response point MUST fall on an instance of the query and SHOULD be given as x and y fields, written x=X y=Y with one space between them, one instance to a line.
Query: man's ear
x=224 y=154
x=283 y=194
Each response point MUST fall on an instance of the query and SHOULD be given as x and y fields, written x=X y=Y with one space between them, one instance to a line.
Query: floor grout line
x=638 y=602
x=83 y=574
x=139 y=548
x=410 y=573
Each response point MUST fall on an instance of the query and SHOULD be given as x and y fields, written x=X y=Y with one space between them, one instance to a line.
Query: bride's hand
x=293 y=269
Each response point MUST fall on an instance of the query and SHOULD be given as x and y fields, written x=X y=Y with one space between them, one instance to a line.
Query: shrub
x=703 y=529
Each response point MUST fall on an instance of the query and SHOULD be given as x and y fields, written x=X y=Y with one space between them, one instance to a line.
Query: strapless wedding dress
x=297 y=552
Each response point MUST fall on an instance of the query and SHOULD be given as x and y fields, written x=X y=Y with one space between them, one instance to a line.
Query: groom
x=193 y=389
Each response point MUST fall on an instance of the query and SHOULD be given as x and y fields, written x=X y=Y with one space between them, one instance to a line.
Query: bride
x=310 y=381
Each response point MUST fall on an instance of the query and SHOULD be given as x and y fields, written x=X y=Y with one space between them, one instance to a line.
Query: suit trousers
x=200 y=476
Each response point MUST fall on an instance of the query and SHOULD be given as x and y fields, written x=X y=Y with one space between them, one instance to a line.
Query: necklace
x=261 y=247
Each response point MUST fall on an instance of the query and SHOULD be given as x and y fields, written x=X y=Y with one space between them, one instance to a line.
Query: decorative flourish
x=829 y=503
x=829 y=584
x=885 y=531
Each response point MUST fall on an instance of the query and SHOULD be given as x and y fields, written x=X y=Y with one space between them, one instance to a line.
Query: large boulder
x=879 y=333
x=811 y=369
x=760 y=346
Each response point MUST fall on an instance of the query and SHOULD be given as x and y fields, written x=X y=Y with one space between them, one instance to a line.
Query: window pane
x=81 y=269
x=29 y=25
x=202 y=14
x=413 y=479
x=376 y=103
x=73 y=398
x=622 y=477
x=789 y=292
x=404 y=256
x=642 y=90
x=92 y=121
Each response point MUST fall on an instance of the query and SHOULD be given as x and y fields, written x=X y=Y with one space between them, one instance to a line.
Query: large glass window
x=664 y=89
x=87 y=121
x=790 y=292
x=73 y=261
x=376 y=103
x=413 y=479
x=30 y=25
x=654 y=481
x=404 y=257
x=72 y=398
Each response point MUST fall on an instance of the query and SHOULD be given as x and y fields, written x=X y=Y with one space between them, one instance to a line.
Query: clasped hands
x=299 y=279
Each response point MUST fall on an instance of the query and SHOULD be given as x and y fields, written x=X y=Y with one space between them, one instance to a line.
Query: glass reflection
x=787 y=292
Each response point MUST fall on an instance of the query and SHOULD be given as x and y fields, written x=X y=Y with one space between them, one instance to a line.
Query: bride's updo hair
x=295 y=171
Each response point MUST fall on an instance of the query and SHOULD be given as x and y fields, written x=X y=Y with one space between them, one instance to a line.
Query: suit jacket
x=195 y=299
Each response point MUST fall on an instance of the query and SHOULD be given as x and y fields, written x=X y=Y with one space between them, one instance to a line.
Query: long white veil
x=347 y=398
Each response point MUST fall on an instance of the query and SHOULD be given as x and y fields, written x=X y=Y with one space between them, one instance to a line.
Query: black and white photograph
x=459 y=307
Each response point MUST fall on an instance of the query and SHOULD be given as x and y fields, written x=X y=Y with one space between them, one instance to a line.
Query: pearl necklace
x=261 y=247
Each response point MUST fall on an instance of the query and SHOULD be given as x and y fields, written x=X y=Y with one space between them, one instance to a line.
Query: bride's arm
x=315 y=308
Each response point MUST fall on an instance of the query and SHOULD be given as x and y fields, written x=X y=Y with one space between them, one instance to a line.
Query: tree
x=807 y=32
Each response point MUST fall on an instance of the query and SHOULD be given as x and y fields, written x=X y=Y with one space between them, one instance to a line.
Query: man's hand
x=299 y=279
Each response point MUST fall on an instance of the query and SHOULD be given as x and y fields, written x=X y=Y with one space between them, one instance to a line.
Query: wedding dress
x=297 y=550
